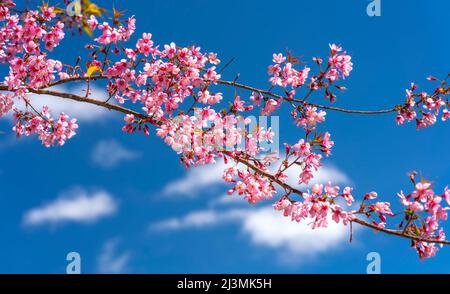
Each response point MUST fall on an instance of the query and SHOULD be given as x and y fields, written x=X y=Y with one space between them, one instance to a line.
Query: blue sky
x=140 y=219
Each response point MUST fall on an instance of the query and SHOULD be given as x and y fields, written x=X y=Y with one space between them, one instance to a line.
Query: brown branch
x=97 y=102
x=356 y=220
x=235 y=157
x=399 y=233
x=253 y=89
x=280 y=97
x=263 y=173
x=75 y=79
x=383 y=111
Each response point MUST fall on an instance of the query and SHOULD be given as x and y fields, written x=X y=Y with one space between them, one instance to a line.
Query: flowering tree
x=175 y=91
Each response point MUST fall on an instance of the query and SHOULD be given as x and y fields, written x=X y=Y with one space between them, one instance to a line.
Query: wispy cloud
x=110 y=261
x=196 y=179
x=109 y=153
x=225 y=200
x=76 y=205
x=265 y=227
x=270 y=228
x=200 y=219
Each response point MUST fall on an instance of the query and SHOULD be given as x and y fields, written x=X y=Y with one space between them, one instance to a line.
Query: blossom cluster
x=32 y=33
x=254 y=186
x=284 y=74
x=306 y=152
x=112 y=35
x=270 y=106
x=36 y=71
x=49 y=130
x=166 y=79
x=425 y=107
x=6 y=103
x=160 y=80
x=424 y=212
x=26 y=40
x=203 y=136
x=318 y=206
x=339 y=64
x=309 y=117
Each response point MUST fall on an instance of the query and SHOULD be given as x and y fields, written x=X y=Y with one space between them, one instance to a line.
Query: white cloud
x=196 y=179
x=264 y=227
x=226 y=199
x=82 y=111
x=109 y=153
x=73 y=206
x=110 y=261
x=199 y=219
x=268 y=228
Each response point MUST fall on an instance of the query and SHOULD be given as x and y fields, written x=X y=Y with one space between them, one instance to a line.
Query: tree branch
x=356 y=220
x=253 y=89
x=97 y=102
x=228 y=153
x=268 y=93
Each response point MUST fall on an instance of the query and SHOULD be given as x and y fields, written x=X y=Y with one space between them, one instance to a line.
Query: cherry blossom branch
x=236 y=157
x=399 y=233
x=70 y=96
x=271 y=94
x=356 y=220
x=162 y=81
x=75 y=79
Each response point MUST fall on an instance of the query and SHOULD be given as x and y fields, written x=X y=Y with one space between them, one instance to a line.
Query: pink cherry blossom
x=447 y=195
x=340 y=64
x=347 y=194
x=371 y=195
x=278 y=58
